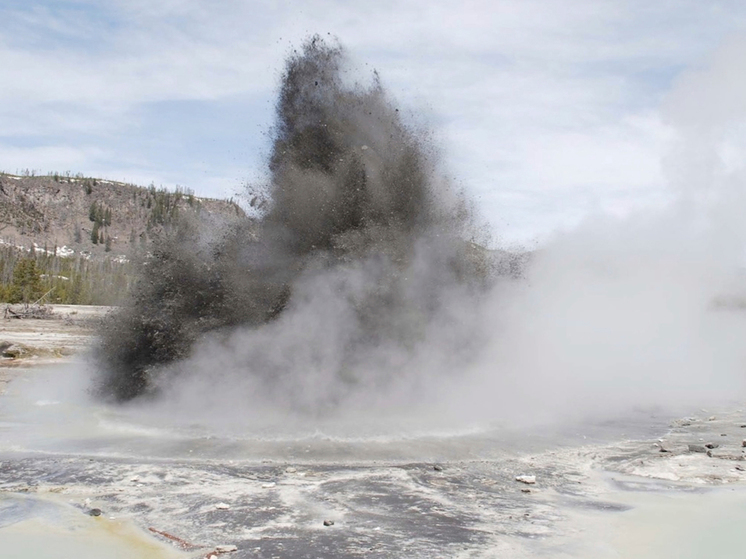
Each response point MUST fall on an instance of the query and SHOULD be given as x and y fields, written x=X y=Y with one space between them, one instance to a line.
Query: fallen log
x=28 y=311
x=183 y=544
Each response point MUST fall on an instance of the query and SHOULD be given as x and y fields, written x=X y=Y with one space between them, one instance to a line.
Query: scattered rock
x=525 y=490
x=697 y=448
x=225 y=549
x=735 y=457
x=743 y=443
x=740 y=468
x=290 y=470
x=438 y=468
x=328 y=523
x=711 y=418
x=94 y=512
x=222 y=506
x=268 y=485
x=14 y=351
x=711 y=445
x=528 y=480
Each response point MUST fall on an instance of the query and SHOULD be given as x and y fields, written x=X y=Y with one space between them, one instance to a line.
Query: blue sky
x=545 y=110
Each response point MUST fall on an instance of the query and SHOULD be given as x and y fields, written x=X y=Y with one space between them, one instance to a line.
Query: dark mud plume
x=358 y=236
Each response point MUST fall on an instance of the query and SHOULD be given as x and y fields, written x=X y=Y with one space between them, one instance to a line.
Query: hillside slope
x=71 y=240
x=87 y=216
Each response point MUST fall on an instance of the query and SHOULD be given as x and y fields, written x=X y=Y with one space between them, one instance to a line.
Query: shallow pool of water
x=35 y=527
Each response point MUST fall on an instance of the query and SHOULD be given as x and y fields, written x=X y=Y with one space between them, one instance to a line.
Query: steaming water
x=170 y=475
x=41 y=416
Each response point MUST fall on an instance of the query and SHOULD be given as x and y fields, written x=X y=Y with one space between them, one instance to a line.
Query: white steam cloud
x=646 y=310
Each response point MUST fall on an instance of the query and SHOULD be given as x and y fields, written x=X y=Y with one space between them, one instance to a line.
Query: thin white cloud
x=548 y=96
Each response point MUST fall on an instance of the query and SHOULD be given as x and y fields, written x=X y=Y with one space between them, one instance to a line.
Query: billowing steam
x=359 y=287
x=354 y=264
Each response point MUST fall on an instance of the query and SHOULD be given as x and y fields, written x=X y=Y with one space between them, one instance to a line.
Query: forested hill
x=81 y=233
x=65 y=211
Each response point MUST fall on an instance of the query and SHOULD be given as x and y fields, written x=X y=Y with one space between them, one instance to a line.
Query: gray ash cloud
x=346 y=276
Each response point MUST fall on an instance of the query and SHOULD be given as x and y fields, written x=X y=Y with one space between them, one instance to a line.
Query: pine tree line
x=101 y=218
x=26 y=276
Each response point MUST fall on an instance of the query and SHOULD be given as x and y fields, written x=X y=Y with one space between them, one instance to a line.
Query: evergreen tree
x=26 y=286
x=77 y=290
x=94 y=233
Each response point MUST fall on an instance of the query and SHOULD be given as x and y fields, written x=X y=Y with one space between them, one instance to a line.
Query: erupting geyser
x=359 y=251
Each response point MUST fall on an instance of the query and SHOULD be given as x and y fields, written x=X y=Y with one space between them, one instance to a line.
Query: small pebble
x=225 y=548
x=328 y=523
x=222 y=506
x=438 y=468
x=94 y=512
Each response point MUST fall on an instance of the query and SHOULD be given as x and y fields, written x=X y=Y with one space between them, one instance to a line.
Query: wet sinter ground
x=601 y=490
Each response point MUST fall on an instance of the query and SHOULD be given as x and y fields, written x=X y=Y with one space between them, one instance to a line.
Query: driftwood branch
x=28 y=311
x=183 y=544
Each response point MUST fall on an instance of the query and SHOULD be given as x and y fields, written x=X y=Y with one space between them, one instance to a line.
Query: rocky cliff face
x=91 y=216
